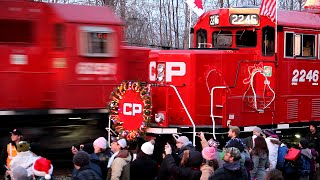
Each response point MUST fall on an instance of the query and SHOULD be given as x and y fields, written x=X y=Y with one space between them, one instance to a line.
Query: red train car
x=244 y=70
x=59 y=64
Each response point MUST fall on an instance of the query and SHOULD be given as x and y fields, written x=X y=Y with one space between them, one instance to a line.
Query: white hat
x=184 y=140
x=148 y=147
x=101 y=142
x=122 y=143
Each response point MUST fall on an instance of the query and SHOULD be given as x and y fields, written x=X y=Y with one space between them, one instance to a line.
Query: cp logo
x=131 y=109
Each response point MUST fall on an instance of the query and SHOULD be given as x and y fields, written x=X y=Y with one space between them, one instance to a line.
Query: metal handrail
x=190 y=118
x=211 y=110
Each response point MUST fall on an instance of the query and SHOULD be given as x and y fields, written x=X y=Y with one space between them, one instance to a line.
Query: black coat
x=183 y=173
x=230 y=171
x=85 y=173
x=143 y=169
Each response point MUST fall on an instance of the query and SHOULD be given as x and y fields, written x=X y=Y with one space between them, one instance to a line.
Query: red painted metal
x=38 y=75
x=231 y=67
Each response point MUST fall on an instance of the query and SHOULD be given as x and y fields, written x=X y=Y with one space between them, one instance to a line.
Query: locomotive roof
x=86 y=14
x=298 y=19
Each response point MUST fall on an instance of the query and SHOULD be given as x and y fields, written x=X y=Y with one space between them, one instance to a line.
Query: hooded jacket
x=122 y=159
x=273 y=145
x=25 y=160
x=230 y=171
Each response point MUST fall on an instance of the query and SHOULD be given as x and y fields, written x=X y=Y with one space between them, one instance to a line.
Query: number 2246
x=302 y=76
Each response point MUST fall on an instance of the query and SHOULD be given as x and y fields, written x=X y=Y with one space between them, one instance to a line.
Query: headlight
x=160 y=74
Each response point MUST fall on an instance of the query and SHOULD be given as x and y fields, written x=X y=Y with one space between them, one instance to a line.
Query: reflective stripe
x=12 y=152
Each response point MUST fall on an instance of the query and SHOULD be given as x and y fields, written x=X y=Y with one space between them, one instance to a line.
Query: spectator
x=273 y=145
x=9 y=151
x=42 y=169
x=182 y=144
x=144 y=167
x=313 y=137
x=189 y=165
x=25 y=158
x=304 y=167
x=81 y=162
x=100 y=156
x=118 y=160
x=234 y=133
x=249 y=141
x=282 y=151
x=209 y=162
x=19 y=173
x=259 y=158
x=274 y=174
x=212 y=143
x=231 y=170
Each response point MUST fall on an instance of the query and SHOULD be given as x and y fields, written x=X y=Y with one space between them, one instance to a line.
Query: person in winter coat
x=235 y=141
x=189 y=167
x=273 y=145
x=231 y=170
x=144 y=167
x=120 y=158
x=212 y=143
x=260 y=159
x=9 y=151
x=304 y=167
x=209 y=162
x=249 y=141
x=81 y=162
x=282 y=151
x=25 y=158
x=182 y=144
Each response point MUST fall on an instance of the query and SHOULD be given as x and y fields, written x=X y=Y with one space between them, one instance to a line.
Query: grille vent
x=315 y=108
x=292 y=108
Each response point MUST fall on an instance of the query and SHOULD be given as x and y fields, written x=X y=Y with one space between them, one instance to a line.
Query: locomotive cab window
x=268 y=39
x=59 y=36
x=16 y=31
x=201 y=38
x=97 y=42
x=246 y=38
x=288 y=44
x=305 y=45
x=222 y=39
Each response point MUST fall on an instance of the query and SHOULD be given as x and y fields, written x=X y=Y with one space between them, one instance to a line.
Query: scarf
x=112 y=158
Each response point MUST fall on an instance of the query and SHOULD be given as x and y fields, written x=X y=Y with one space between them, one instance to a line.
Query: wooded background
x=165 y=23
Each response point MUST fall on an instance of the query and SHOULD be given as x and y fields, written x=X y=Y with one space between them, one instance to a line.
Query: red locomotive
x=244 y=71
x=59 y=64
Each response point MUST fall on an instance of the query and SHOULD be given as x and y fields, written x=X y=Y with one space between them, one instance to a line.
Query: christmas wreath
x=130 y=108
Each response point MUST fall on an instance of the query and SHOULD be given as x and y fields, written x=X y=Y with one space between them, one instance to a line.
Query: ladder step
x=218 y=117
x=219 y=106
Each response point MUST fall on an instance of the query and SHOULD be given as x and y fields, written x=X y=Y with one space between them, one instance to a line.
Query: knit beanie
x=257 y=129
x=19 y=173
x=184 y=140
x=208 y=153
x=42 y=167
x=101 y=142
x=23 y=146
x=148 y=147
x=122 y=143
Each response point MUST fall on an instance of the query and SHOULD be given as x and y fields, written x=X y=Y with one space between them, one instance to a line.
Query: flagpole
x=189 y=31
x=276 y=35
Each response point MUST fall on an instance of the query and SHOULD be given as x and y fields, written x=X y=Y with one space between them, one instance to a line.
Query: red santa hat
x=42 y=167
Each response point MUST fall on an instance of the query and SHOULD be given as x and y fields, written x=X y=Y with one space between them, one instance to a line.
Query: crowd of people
x=262 y=156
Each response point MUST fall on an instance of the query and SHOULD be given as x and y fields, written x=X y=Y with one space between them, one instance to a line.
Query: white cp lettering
x=179 y=72
x=131 y=109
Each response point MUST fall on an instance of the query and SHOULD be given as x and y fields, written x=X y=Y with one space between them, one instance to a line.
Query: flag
x=269 y=8
x=196 y=6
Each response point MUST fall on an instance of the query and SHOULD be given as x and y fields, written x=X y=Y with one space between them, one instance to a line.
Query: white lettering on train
x=96 y=68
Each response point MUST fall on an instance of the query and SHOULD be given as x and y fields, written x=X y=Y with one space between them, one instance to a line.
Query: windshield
x=15 y=31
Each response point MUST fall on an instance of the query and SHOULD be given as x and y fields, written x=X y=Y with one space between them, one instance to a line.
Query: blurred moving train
x=59 y=64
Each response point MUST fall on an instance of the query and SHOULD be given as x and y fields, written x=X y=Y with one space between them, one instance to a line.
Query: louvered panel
x=292 y=108
x=315 y=108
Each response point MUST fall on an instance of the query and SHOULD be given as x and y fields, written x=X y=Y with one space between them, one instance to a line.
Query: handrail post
x=190 y=118
x=211 y=110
